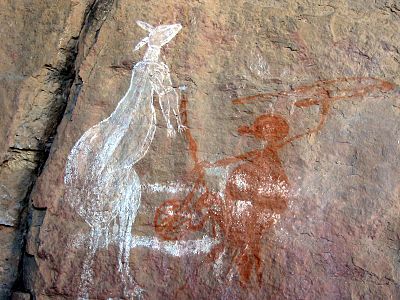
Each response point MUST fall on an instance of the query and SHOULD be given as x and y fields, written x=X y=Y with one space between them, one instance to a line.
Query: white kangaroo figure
x=101 y=183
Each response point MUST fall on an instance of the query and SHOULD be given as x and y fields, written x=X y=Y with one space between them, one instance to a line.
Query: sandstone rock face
x=32 y=100
x=284 y=184
x=39 y=57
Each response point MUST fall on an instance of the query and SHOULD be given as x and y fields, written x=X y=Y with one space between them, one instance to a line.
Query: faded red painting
x=257 y=189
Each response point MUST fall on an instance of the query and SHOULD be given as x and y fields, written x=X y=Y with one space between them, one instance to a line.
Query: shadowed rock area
x=284 y=185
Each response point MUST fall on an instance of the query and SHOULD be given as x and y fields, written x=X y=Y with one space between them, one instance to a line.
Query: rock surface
x=68 y=63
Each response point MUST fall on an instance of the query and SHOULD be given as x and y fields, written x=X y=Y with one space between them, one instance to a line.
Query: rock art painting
x=101 y=183
x=257 y=189
x=103 y=188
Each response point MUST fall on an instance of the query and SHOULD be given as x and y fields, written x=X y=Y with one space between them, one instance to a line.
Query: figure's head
x=158 y=36
x=270 y=128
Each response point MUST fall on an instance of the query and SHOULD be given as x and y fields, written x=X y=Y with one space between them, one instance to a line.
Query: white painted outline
x=101 y=184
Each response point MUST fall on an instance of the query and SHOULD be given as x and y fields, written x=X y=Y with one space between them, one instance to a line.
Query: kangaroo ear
x=145 y=26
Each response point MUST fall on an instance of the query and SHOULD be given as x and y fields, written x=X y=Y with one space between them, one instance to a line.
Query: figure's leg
x=215 y=252
x=232 y=253
x=69 y=257
x=244 y=261
x=121 y=238
x=258 y=262
x=127 y=210
x=87 y=270
x=127 y=215
x=129 y=282
x=125 y=228
x=125 y=239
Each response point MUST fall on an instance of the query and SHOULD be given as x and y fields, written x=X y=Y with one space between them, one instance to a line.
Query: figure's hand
x=171 y=131
x=181 y=128
x=205 y=164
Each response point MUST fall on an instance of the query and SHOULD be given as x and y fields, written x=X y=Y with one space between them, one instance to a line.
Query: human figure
x=256 y=193
x=257 y=188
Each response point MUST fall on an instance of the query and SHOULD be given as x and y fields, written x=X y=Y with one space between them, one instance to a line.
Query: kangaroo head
x=158 y=36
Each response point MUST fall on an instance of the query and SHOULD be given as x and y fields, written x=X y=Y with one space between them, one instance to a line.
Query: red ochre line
x=322 y=91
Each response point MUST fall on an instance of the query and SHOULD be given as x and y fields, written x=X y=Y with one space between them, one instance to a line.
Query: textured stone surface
x=21 y=296
x=38 y=53
x=31 y=104
x=339 y=236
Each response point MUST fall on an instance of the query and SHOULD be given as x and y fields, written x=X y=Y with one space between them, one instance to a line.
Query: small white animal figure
x=101 y=183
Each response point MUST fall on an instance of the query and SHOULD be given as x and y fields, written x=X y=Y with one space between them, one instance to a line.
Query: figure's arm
x=324 y=110
x=232 y=159
x=162 y=91
x=168 y=98
x=324 y=95
x=173 y=100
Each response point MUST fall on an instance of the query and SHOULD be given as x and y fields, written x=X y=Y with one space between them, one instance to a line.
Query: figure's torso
x=262 y=181
x=124 y=137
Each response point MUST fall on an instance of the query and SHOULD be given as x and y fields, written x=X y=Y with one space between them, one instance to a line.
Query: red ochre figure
x=257 y=189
